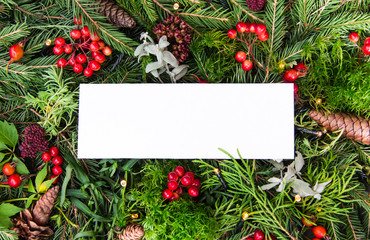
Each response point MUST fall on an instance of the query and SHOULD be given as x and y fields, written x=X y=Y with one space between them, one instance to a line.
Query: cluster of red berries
x=178 y=179
x=259 y=235
x=293 y=74
x=57 y=161
x=241 y=27
x=89 y=42
x=354 y=37
x=14 y=180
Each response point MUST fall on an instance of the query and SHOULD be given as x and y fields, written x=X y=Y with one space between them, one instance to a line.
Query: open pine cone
x=131 y=232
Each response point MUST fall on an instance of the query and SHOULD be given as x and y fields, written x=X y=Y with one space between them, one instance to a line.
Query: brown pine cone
x=44 y=206
x=132 y=232
x=355 y=127
x=115 y=14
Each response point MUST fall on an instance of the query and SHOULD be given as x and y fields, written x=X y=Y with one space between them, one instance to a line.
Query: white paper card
x=186 y=121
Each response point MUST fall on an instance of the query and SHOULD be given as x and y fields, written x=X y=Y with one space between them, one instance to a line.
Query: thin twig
x=17 y=31
x=41 y=10
x=13 y=71
x=2 y=114
x=349 y=221
x=123 y=79
x=36 y=15
x=34 y=47
x=248 y=13
x=202 y=16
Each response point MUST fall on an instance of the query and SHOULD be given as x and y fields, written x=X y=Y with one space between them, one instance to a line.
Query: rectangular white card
x=186 y=121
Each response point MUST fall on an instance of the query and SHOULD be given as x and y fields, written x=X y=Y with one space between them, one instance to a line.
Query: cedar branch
x=36 y=15
x=6 y=35
x=248 y=13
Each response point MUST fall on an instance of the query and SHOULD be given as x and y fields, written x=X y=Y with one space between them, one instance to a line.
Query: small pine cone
x=44 y=206
x=132 y=232
x=256 y=5
x=355 y=127
x=116 y=15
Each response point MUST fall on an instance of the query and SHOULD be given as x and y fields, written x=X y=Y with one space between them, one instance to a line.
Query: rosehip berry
x=300 y=67
x=308 y=222
x=46 y=156
x=186 y=180
x=94 y=46
x=247 y=27
x=172 y=185
x=295 y=89
x=62 y=63
x=94 y=37
x=174 y=197
x=57 y=160
x=196 y=183
x=14 y=181
x=81 y=58
x=59 y=41
x=56 y=178
x=167 y=194
x=291 y=75
x=15 y=52
x=85 y=31
x=100 y=58
x=240 y=56
x=231 y=33
x=8 y=169
x=240 y=27
x=179 y=190
x=367 y=41
x=252 y=27
x=247 y=65
x=179 y=170
x=190 y=174
x=193 y=191
x=57 y=170
x=68 y=49
x=53 y=151
x=107 y=51
x=259 y=235
x=94 y=65
x=58 y=50
x=260 y=28
x=249 y=238
x=354 y=37
x=319 y=231
x=88 y=72
x=366 y=49
x=264 y=36
x=173 y=176
x=101 y=44
x=76 y=34
x=78 y=68
x=78 y=21
x=72 y=61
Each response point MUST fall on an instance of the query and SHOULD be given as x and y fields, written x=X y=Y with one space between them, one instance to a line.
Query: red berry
x=240 y=27
x=57 y=170
x=46 y=156
x=247 y=65
x=179 y=190
x=94 y=46
x=56 y=178
x=247 y=27
x=319 y=231
x=231 y=33
x=270 y=237
x=78 y=68
x=366 y=49
x=174 y=197
x=190 y=174
x=94 y=65
x=354 y=37
x=264 y=36
x=62 y=63
x=100 y=58
x=94 y=37
x=186 y=180
x=249 y=238
x=68 y=49
x=167 y=194
x=8 y=169
x=196 y=183
x=14 y=181
x=85 y=31
x=259 y=235
x=240 y=56
x=101 y=44
x=72 y=61
x=58 y=50
x=316 y=239
x=59 y=41
x=78 y=22
x=193 y=191
x=81 y=58
x=295 y=89
x=260 y=28
x=53 y=151
x=367 y=41
x=93 y=54
x=173 y=176
x=88 y=72
x=300 y=67
x=76 y=34
x=291 y=75
x=172 y=185
x=252 y=27
x=179 y=170
x=15 y=52
x=57 y=160
x=107 y=51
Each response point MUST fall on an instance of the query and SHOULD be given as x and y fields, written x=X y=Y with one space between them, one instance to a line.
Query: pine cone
x=132 y=232
x=30 y=226
x=355 y=127
x=116 y=15
x=256 y=5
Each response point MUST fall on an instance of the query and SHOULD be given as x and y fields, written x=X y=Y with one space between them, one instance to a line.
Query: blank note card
x=186 y=121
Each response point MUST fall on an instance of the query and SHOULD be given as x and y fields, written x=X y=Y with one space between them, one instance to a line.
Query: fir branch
x=37 y=15
x=350 y=224
x=9 y=34
x=248 y=13
x=203 y=16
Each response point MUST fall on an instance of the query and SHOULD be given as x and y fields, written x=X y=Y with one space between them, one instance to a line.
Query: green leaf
x=46 y=185
x=31 y=188
x=30 y=199
x=85 y=234
x=8 y=210
x=8 y=134
x=3 y=146
x=40 y=177
x=65 y=183
x=80 y=205
x=21 y=167
x=129 y=164
x=2 y=155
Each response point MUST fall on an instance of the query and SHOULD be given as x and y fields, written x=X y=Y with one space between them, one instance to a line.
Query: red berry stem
x=251 y=51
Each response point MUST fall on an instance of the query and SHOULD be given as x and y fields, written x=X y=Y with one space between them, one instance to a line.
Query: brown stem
x=17 y=31
x=41 y=10
x=123 y=79
x=248 y=13
x=36 y=15
x=2 y=114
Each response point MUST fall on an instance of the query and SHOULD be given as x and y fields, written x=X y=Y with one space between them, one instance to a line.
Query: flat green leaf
x=40 y=177
x=84 y=234
x=8 y=134
x=5 y=222
x=31 y=188
x=129 y=164
x=80 y=205
x=65 y=183
x=21 y=167
x=77 y=193
x=8 y=210
x=46 y=185
x=30 y=199
x=3 y=146
x=2 y=155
